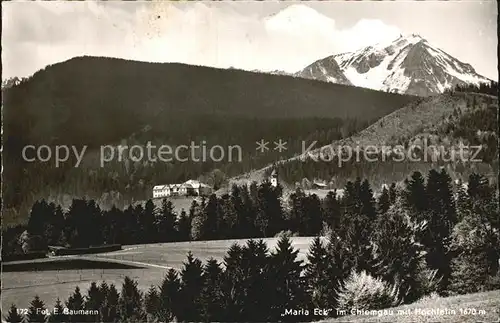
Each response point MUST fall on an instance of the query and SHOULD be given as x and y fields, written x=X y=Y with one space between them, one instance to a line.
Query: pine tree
x=249 y=213
x=331 y=210
x=393 y=193
x=152 y=304
x=184 y=227
x=289 y=290
x=319 y=275
x=478 y=186
x=14 y=315
x=242 y=221
x=147 y=221
x=416 y=195
x=166 y=222
x=476 y=243
x=357 y=223
x=463 y=201
x=226 y=214
x=441 y=218
x=94 y=301
x=58 y=314
x=211 y=220
x=205 y=224
x=130 y=302
x=297 y=212
x=212 y=298
x=38 y=218
x=56 y=224
x=255 y=287
x=75 y=302
x=36 y=311
x=233 y=278
x=384 y=201
x=110 y=311
x=191 y=288
x=93 y=220
x=313 y=220
x=368 y=208
x=398 y=254
x=193 y=210
x=104 y=291
x=340 y=253
x=169 y=296
x=269 y=218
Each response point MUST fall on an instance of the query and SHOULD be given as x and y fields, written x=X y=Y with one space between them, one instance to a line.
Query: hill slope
x=478 y=307
x=77 y=99
x=103 y=101
x=443 y=121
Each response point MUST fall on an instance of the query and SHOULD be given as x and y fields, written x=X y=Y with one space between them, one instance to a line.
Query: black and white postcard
x=250 y=161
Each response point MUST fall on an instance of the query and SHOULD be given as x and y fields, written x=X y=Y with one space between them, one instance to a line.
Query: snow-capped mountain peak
x=409 y=64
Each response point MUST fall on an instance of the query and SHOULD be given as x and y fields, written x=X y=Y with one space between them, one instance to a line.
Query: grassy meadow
x=151 y=262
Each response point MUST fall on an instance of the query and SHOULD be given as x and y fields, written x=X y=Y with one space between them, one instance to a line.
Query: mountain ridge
x=409 y=64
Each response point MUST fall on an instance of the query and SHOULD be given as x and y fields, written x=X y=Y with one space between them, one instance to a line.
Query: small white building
x=192 y=187
x=161 y=191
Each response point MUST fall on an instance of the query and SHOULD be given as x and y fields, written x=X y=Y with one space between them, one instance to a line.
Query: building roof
x=161 y=187
x=188 y=184
x=195 y=184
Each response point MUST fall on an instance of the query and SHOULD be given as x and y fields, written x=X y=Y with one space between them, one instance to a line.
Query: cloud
x=366 y=32
x=37 y=34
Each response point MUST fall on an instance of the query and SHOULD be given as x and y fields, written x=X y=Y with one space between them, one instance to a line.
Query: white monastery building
x=188 y=188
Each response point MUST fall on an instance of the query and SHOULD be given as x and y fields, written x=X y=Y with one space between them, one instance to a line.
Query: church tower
x=274 y=178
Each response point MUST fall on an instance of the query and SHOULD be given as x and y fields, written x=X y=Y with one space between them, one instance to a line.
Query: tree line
x=490 y=88
x=411 y=241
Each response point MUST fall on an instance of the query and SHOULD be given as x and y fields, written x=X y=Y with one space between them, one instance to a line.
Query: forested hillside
x=102 y=101
x=445 y=122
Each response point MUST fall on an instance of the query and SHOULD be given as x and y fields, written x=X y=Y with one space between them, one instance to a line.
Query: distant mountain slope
x=426 y=116
x=326 y=70
x=410 y=65
x=444 y=120
x=74 y=101
x=103 y=101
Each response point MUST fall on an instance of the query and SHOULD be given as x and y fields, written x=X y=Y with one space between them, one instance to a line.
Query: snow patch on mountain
x=407 y=65
x=326 y=70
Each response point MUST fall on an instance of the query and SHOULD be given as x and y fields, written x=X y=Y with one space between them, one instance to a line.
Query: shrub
x=470 y=273
x=428 y=298
x=493 y=282
x=428 y=281
x=361 y=291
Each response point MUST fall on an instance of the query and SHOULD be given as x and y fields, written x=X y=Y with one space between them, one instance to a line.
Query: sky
x=264 y=35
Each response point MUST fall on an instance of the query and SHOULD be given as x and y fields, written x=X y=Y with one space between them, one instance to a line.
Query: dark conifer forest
x=92 y=101
x=428 y=236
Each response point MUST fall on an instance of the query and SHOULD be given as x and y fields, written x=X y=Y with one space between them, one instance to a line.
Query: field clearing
x=478 y=307
x=20 y=287
x=174 y=254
